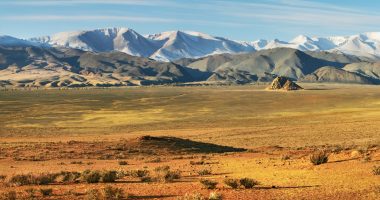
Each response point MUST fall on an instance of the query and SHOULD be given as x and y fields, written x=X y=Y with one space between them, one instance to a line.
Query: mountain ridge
x=174 y=45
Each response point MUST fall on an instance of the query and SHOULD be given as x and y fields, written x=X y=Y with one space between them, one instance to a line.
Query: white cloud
x=82 y=17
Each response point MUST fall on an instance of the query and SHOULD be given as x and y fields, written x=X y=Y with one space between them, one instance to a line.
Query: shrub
x=154 y=160
x=376 y=170
x=208 y=184
x=31 y=192
x=108 y=176
x=91 y=176
x=123 y=162
x=46 y=191
x=215 y=196
x=44 y=179
x=285 y=157
x=197 y=162
x=319 y=157
x=65 y=176
x=10 y=195
x=233 y=183
x=93 y=194
x=21 y=179
x=2 y=177
x=164 y=174
x=139 y=173
x=113 y=193
x=204 y=172
x=248 y=183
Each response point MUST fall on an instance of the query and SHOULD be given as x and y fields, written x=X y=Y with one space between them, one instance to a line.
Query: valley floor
x=40 y=129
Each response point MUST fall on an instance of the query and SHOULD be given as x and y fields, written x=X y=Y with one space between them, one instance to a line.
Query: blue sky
x=234 y=19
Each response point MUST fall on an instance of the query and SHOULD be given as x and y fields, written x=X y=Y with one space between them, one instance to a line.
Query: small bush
x=123 y=162
x=194 y=196
x=376 y=170
x=154 y=160
x=46 y=191
x=319 y=157
x=285 y=157
x=10 y=195
x=2 y=178
x=31 y=192
x=113 y=193
x=233 y=183
x=21 y=179
x=89 y=176
x=139 y=173
x=108 y=176
x=93 y=194
x=248 y=183
x=197 y=162
x=44 y=179
x=65 y=176
x=215 y=196
x=208 y=184
x=204 y=172
x=164 y=174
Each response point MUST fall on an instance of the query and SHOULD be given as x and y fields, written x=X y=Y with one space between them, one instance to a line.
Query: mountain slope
x=56 y=67
x=287 y=62
x=334 y=75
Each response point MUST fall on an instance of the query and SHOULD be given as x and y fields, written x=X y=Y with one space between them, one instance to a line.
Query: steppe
x=224 y=131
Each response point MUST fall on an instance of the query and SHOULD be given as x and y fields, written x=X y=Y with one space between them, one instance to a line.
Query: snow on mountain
x=104 y=40
x=6 y=40
x=173 y=45
x=178 y=44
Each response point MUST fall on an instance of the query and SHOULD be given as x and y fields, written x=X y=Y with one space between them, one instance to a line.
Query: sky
x=245 y=20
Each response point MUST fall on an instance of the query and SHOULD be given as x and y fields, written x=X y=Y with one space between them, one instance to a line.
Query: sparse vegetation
x=46 y=191
x=231 y=182
x=194 y=196
x=376 y=170
x=30 y=193
x=93 y=194
x=215 y=196
x=123 y=162
x=9 y=195
x=319 y=157
x=204 y=172
x=108 y=176
x=208 y=184
x=113 y=193
x=164 y=174
x=89 y=176
x=248 y=183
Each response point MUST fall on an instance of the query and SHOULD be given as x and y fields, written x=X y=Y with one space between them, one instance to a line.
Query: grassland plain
x=78 y=129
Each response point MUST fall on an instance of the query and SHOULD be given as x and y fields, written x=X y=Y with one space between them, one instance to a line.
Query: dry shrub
x=46 y=191
x=93 y=194
x=204 y=172
x=108 y=176
x=89 y=176
x=215 y=196
x=208 y=184
x=319 y=157
x=248 y=183
x=139 y=173
x=164 y=174
x=21 y=179
x=10 y=195
x=123 y=162
x=194 y=196
x=113 y=193
x=376 y=170
x=231 y=182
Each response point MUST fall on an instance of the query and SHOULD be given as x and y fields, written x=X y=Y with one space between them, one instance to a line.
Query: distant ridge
x=174 y=45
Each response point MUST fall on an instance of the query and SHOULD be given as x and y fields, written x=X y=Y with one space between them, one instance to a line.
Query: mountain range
x=174 y=45
x=122 y=57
